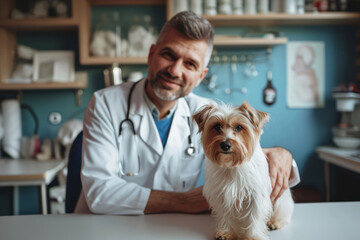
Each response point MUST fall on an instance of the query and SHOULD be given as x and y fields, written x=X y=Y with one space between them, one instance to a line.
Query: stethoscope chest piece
x=190 y=151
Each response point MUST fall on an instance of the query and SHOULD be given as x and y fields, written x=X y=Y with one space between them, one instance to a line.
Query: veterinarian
x=151 y=163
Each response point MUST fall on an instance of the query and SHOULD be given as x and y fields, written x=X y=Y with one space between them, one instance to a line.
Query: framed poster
x=305 y=75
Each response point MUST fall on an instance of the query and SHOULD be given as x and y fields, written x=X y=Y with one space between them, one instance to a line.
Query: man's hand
x=192 y=201
x=280 y=163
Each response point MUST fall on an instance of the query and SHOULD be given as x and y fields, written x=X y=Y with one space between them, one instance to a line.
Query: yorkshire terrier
x=237 y=183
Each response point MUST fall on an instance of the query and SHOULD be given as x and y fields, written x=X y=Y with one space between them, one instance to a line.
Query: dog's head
x=230 y=134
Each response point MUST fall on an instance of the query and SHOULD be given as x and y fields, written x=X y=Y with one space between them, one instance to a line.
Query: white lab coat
x=104 y=189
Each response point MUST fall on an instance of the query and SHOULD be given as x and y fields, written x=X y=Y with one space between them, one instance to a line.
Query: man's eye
x=217 y=127
x=168 y=55
x=238 y=128
x=191 y=65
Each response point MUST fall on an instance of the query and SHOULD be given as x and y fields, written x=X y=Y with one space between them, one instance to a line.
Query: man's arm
x=280 y=169
x=192 y=201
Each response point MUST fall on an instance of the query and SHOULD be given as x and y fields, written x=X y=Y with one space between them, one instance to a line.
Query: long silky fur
x=239 y=193
x=239 y=196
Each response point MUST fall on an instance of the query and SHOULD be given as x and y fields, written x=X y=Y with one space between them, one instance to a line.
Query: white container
x=250 y=7
x=225 y=7
x=196 y=6
x=180 y=5
x=300 y=6
x=135 y=76
x=263 y=6
x=277 y=6
x=346 y=102
x=238 y=7
x=290 y=6
x=210 y=7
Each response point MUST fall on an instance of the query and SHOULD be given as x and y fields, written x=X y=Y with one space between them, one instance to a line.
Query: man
x=143 y=167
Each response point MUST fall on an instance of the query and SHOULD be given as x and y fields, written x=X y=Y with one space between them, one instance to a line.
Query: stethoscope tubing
x=190 y=150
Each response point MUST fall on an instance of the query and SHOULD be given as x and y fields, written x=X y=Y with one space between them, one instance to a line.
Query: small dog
x=237 y=183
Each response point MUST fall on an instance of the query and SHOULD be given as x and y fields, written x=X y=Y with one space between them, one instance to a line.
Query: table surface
x=330 y=221
x=346 y=158
x=29 y=170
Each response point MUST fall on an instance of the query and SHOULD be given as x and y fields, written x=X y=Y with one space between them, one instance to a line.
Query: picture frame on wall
x=305 y=74
x=54 y=66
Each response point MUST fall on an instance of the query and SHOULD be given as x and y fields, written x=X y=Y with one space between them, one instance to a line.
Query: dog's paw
x=223 y=236
x=275 y=224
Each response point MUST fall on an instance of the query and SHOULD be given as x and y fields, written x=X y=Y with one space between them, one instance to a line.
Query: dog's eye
x=238 y=128
x=217 y=127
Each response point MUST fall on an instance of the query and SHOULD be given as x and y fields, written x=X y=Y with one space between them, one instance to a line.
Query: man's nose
x=175 y=69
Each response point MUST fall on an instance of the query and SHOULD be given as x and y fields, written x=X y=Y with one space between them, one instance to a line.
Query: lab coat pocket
x=129 y=161
x=190 y=170
x=188 y=182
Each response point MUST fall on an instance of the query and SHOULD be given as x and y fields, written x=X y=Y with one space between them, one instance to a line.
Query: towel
x=11 y=123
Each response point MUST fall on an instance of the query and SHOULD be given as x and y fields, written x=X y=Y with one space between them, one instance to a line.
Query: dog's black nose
x=225 y=145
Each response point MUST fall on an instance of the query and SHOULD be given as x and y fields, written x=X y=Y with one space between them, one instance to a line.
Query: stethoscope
x=189 y=151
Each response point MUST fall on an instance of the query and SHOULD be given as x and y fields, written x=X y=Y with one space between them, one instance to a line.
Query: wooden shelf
x=110 y=60
x=127 y=2
x=219 y=41
x=81 y=82
x=41 y=86
x=35 y=24
x=40 y=24
x=78 y=85
x=334 y=18
x=85 y=33
x=229 y=41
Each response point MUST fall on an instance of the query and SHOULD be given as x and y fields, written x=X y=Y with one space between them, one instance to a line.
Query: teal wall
x=299 y=130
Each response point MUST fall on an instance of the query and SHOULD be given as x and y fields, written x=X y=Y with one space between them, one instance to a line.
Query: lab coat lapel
x=143 y=120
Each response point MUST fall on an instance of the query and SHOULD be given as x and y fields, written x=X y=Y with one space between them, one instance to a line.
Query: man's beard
x=162 y=92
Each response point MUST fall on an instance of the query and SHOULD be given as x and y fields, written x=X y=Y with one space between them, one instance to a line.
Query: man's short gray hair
x=193 y=27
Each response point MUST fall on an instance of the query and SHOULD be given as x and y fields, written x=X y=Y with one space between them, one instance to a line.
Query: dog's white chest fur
x=240 y=195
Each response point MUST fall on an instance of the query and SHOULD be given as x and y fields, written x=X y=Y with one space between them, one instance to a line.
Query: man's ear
x=202 y=76
x=258 y=118
x=201 y=115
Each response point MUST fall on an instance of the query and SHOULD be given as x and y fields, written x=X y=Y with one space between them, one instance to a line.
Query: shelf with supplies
x=80 y=83
x=23 y=22
x=85 y=33
x=229 y=41
x=80 y=19
x=39 y=23
x=323 y=18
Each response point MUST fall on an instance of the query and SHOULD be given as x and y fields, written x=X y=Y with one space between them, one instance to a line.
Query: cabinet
x=85 y=32
x=8 y=29
x=81 y=20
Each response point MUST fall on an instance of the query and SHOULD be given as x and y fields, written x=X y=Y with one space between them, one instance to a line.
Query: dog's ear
x=201 y=115
x=258 y=118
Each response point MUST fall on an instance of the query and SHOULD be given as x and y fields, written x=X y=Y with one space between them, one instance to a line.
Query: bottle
x=290 y=6
x=180 y=5
x=196 y=6
x=269 y=93
x=263 y=6
x=225 y=7
x=250 y=7
x=237 y=7
x=210 y=7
